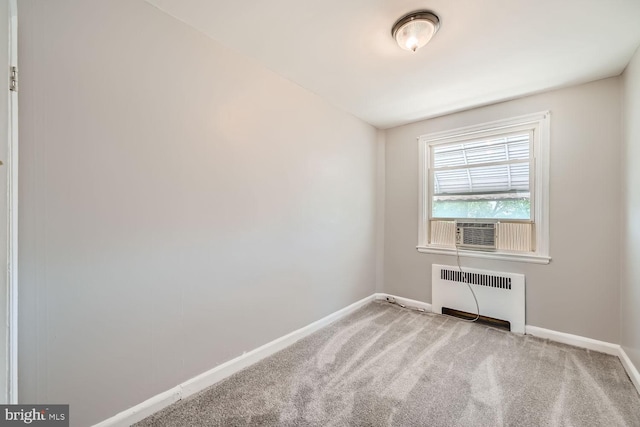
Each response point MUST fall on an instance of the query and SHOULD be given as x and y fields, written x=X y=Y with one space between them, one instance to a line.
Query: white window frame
x=539 y=124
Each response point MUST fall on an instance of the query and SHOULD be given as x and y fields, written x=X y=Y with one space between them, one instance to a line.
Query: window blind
x=494 y=165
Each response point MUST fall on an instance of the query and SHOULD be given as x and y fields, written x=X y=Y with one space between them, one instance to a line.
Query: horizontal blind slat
x=489 y=169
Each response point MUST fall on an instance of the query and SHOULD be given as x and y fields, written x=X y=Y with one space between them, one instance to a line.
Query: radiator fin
x=490 y=280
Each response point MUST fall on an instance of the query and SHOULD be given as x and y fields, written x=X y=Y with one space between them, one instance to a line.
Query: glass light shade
x=415 y=30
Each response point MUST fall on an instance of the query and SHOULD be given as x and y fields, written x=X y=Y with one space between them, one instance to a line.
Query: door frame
x=11 y=385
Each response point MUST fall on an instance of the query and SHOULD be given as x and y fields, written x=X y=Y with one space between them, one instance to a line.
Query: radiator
x=500 y=294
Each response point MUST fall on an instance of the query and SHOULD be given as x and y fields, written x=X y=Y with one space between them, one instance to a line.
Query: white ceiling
x=486 y=50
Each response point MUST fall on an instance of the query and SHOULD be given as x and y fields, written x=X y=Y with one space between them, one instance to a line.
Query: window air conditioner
x=476 y=234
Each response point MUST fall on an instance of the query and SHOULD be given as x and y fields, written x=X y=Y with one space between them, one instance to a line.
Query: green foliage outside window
x=519 y=208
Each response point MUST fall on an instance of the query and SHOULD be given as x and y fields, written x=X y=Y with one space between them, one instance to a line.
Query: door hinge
x=13 y=79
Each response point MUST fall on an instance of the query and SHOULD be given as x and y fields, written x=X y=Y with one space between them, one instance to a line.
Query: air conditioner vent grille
x=477 y=224
x=479 y=235
x=488 y=280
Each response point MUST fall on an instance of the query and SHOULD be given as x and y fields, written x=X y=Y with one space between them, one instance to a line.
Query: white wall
x=578 y=292
x=630 y=289
x=180 y=204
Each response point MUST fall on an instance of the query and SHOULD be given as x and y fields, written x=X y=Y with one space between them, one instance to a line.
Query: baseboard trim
x=412 y=303
x=142 y=410
x=560 y=337
x=574 y=340
x=229 y=368
x=220 y=372
x=632 y=371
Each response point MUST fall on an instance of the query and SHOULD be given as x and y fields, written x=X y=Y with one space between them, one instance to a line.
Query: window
x=495 y=171
x=483 y=178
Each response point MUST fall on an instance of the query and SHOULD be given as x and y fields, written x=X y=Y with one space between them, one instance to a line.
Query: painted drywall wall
x=630 y=235
x=180 y=204
x=578 y=292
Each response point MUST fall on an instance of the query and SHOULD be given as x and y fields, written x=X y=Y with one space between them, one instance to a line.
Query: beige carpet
x=388 y=366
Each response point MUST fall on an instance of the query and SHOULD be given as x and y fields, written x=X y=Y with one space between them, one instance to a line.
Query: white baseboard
x=229 y=368
x=207 y=379
x=220 y=372
x=591 y=344
x=143 y=410
x=561 y=337
x=404 y=301
x=632 y=371
x=574 y=340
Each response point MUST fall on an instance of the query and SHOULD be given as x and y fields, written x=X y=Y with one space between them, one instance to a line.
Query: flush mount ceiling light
x=414 y=30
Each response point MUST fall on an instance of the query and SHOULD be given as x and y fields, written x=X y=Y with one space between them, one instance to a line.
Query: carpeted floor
x=388 y=366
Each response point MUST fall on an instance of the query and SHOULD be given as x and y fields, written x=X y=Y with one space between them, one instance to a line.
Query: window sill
x=502 y=256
